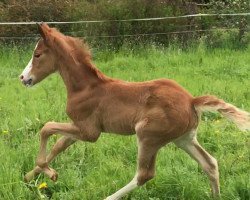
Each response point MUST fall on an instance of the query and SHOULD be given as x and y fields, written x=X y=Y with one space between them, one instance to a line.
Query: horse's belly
x=119 y=127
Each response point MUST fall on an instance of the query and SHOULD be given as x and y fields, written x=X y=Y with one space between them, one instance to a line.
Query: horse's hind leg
x=145 y=171
x=208 y=163
x=60 y=145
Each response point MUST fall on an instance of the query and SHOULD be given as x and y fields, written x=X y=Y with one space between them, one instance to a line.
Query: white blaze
x=26 y=72
x=27 y=69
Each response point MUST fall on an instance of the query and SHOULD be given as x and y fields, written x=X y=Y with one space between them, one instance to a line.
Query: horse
x=157 y=112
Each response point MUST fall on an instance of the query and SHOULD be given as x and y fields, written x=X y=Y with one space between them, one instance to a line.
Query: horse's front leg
x=61 y=144
x=50 y=128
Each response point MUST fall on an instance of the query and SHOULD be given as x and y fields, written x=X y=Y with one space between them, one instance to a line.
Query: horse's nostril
x=29 y=81
x=21 y=77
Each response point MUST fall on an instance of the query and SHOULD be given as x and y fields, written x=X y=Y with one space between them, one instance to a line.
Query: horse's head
x=43 y=61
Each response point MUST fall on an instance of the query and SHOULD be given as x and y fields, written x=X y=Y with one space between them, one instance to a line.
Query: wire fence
x=35 y=37
x=83 y=29
x=128 y=20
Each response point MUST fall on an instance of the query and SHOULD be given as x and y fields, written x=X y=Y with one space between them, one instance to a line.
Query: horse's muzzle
x=27 y=82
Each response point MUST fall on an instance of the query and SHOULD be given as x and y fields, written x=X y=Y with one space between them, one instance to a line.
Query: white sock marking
x=125 y=190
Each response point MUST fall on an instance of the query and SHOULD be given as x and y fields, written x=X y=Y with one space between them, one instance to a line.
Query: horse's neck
x=79 y=77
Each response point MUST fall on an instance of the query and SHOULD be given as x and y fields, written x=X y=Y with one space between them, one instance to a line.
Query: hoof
x=54 y=176
x=51 y=173
x=32 y=174
x=29 y=176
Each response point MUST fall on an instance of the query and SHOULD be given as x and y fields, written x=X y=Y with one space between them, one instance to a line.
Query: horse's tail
x=211 y=103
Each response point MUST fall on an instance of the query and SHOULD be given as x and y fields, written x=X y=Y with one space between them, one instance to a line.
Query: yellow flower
x=5 y=132
x=42 y=185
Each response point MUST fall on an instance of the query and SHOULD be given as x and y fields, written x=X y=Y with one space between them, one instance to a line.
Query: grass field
x=94 y=171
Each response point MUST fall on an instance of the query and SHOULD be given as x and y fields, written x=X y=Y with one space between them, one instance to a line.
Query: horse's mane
x=76 y=49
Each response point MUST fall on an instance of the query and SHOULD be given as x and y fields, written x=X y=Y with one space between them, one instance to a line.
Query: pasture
x=94 y=171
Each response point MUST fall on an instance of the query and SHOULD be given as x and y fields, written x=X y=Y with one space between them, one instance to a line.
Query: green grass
x=94 y=171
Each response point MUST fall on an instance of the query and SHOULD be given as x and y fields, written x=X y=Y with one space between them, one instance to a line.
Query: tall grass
x=94 y=171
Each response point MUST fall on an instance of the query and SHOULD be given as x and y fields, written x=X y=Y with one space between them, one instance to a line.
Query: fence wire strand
x=188 y=28
x=128 y=20
x=128 y=35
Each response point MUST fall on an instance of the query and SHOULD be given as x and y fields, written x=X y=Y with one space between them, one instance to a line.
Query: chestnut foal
x=158 y=111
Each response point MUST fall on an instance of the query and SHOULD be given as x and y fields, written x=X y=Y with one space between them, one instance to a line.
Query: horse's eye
x=37 y=55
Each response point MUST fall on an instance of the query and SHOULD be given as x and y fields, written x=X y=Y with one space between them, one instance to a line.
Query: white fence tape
x=129 y=20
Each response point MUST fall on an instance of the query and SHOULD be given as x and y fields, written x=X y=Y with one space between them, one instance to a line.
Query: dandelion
x=5 y=132
x=43 y=186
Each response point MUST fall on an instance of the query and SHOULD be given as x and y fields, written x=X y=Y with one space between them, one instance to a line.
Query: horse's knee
x=144 y=176
x=46 y=129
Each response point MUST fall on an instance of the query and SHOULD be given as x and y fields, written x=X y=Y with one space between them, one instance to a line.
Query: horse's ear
x=44 y=30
